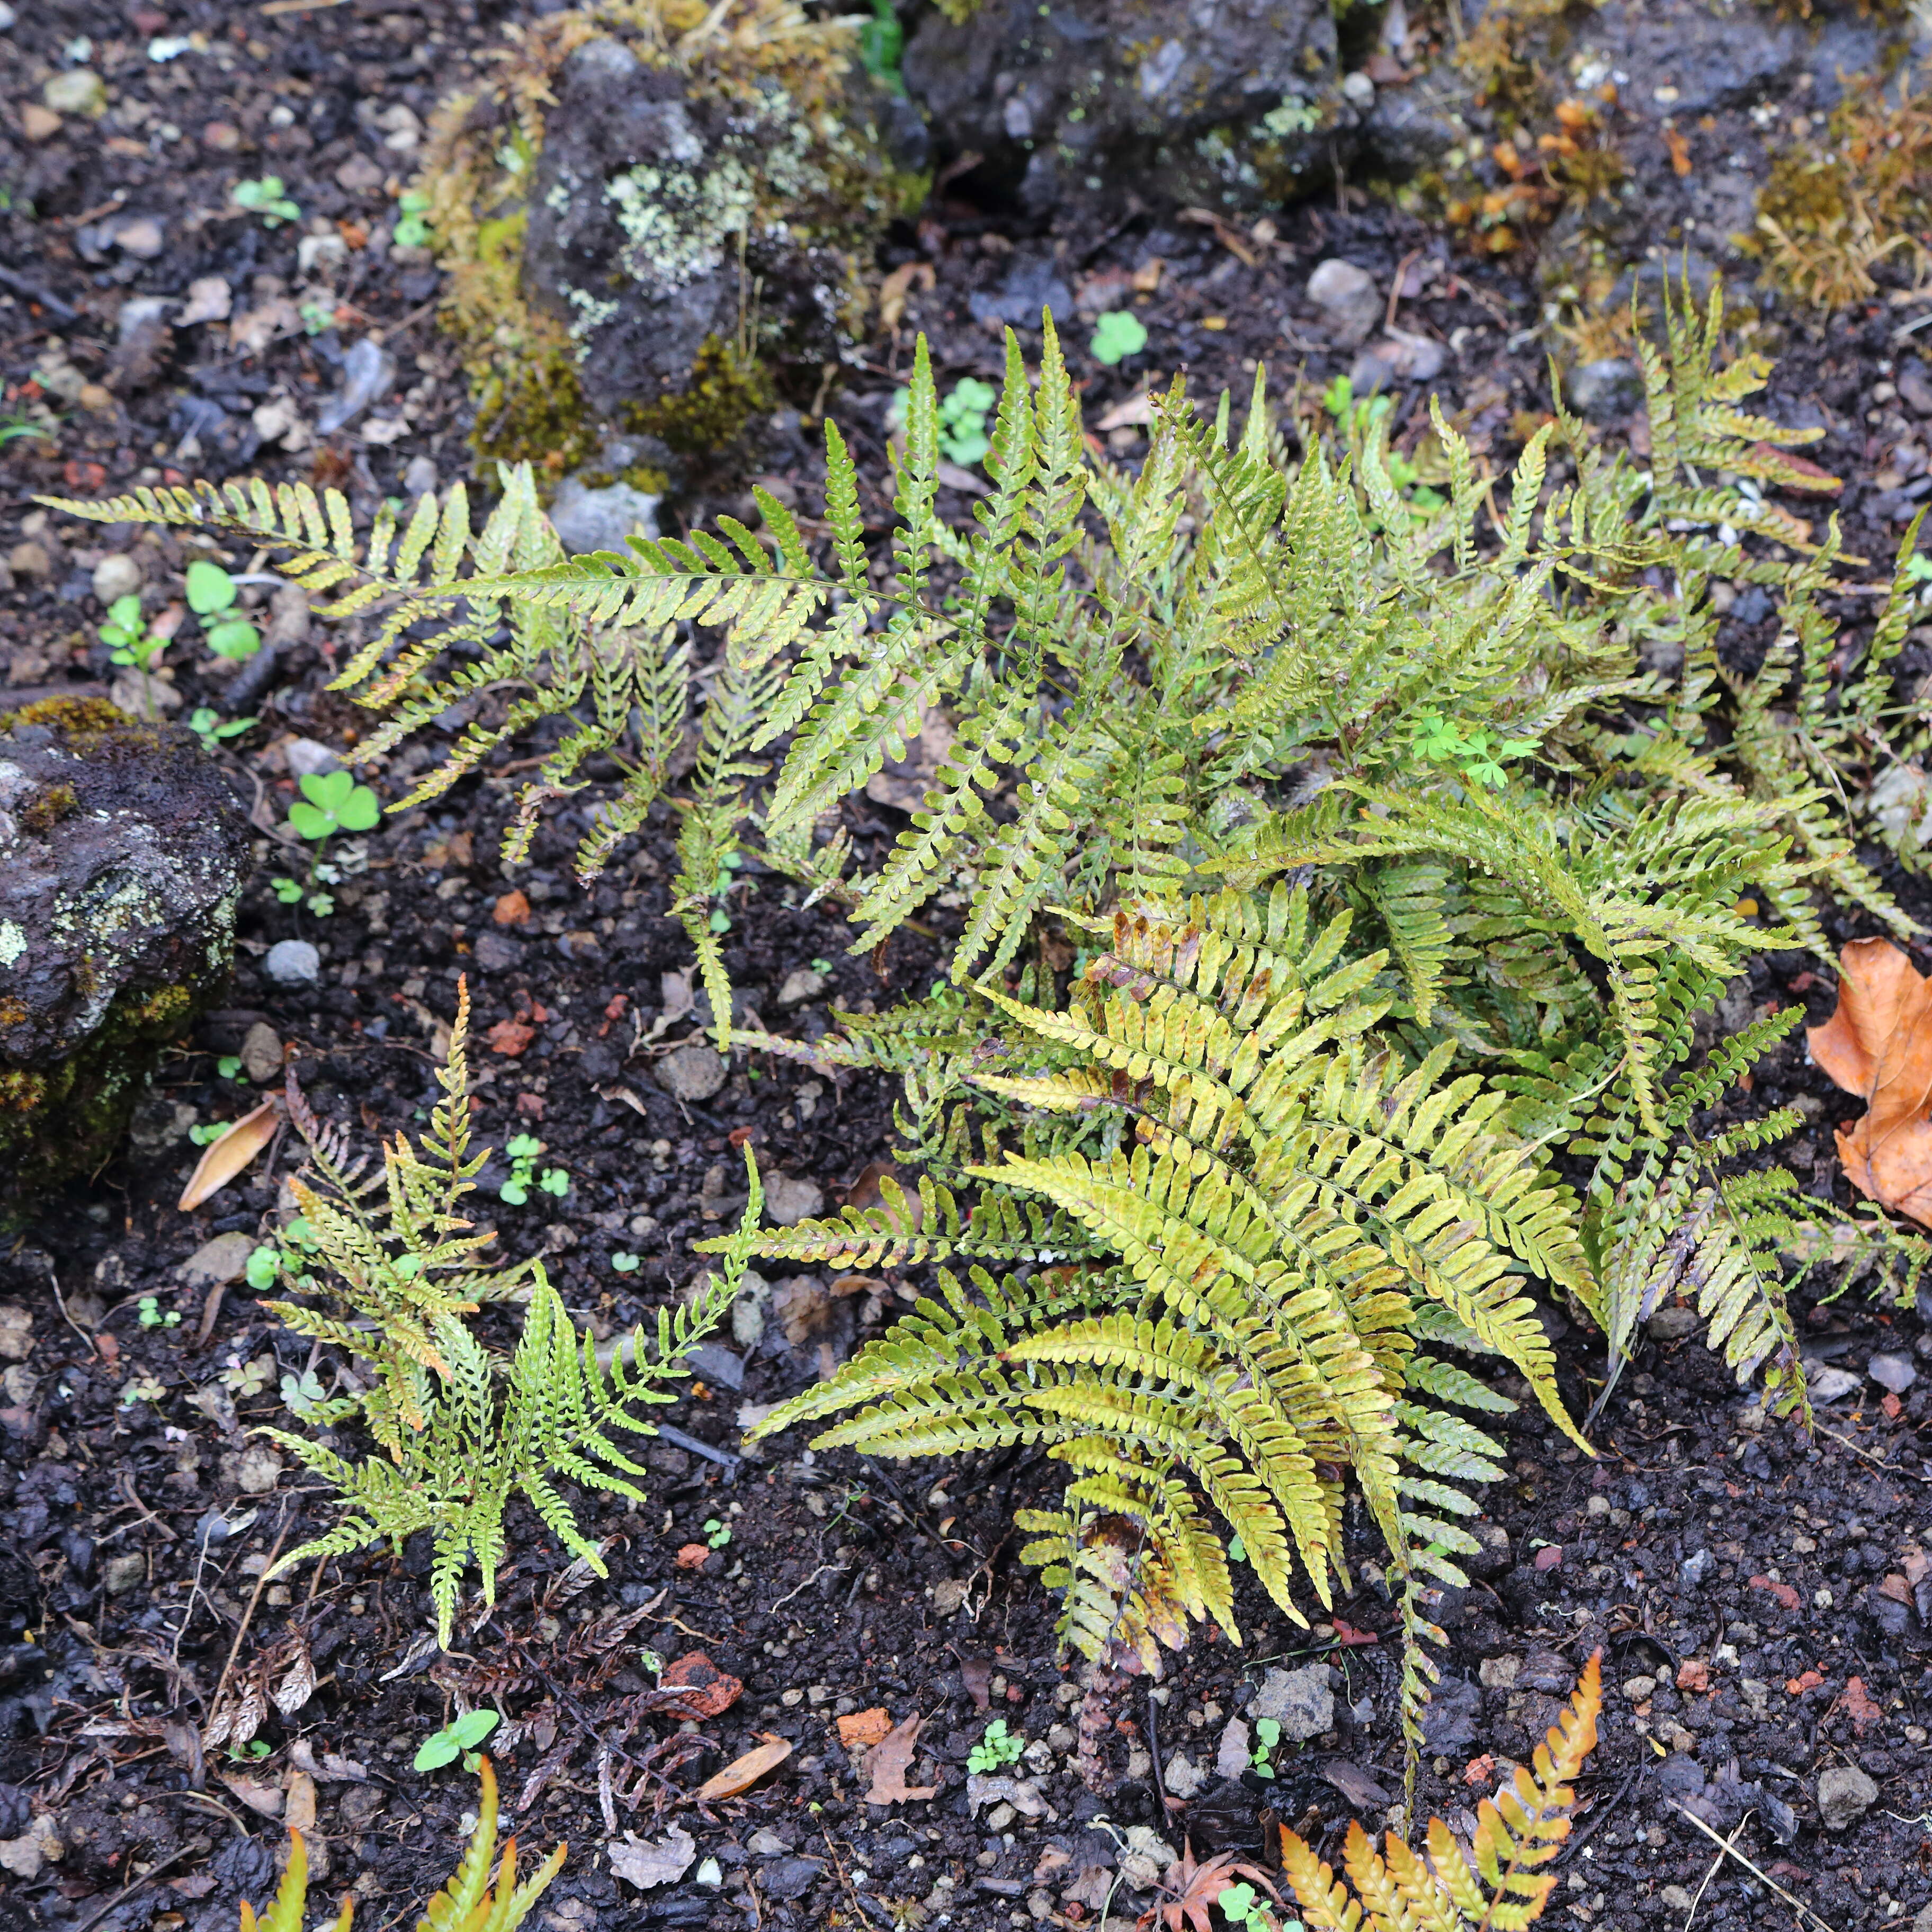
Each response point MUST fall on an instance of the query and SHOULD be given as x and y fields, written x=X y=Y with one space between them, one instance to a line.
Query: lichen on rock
x=121 y=860
x=652 y=200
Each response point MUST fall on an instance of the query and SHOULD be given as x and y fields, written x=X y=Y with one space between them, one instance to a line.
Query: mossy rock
x=654 y=205
x=122 y=856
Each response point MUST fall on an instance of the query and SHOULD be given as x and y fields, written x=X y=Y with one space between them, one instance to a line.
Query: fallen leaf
x=512 y=909
x=266 y=1798
x=1680 y=151
x=897 y=286
x=708 y=1691
x=1878 y=1045
x=1346 y=1634
x=644 y=1864
x=891 y=1757
x=744 y=1772
x=223 y=1159
x=1817 y=478
x=298 y=1813
x=976 y=1674
x=692 y=1555
x=1860 y=1706
x=510 y=1037
x=865 y=1727
x=1355 y=1784
x=1134 y=413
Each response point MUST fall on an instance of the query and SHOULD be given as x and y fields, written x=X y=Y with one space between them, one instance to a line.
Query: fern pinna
x=383 y=1269
x=1282 y=1193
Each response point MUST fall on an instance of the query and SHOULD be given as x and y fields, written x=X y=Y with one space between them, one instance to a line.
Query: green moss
x=45 y=810
x=72 y=717
x=724 y=392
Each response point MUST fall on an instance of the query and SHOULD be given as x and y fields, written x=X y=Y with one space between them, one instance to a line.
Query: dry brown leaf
x=744 y=1772
x=865 y=1727
x=266 y=1798
x=223 y=1159
x=891 y=1758
x=1878 y=1045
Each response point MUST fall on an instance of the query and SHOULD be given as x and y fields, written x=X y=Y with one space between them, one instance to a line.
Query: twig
x=128 y=1891
x=127 y=1486
x=247 y=1615
x=823 y=1570
x=1729 y=1845
x=1797 y=1904
x=33 y=292
x=1876 y=1461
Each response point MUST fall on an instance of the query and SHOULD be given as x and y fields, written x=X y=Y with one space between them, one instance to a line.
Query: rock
x=1032 y=287
x=216 y=1263
x=747 y=1312
x=1495 y=1557
x=674 y=173
x=257 y=1470
x=1845 y=1795
x=1398 y=357
x=1923 y=1921
x=368 y=371
x=419 y=476
x=1915 y=391
x=1676 y=1898
x=1674 y=1324
x=38 y=123
x=28 y=560
x=1892 y=1372
x=1606 y=390
x=142 y=694
x=787 y=1878
x=1832 y=1384
x=1350 y=303
x=1302 y=1702
x=1409 y=129
x=494 y=952
x=80 y=91
x=1449 y=1722
x=262 y=1053
x=789 y=1200
x=141 y=236
x=293 y=962
x=1692 y=1571
x=586 y=520
x=693 y=1072
x=1682 y=62
x=16 y=1332
x=801 y=984
x=1499 y=1673
x=1182 y=1776
x=120 y=1574
x=122 y=855
x=308 y=759
x=116 y=574
x=358 y=174
x=209 y=299
x=1100 y=101
x=1235 y=1753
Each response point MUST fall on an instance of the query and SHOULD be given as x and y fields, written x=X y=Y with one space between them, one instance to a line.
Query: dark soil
x=1747 y=1585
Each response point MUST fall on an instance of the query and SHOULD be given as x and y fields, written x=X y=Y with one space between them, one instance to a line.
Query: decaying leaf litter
x=1763 y=1735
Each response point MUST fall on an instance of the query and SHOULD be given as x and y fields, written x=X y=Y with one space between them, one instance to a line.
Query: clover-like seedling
x=962 y=421
x=626 y=1263
x=717 y=1533
x=332 y=802
x=211 y=728
x=128 y=640
x=523 y=1149
x=147 y=1311
x=1268 y=1735
x=412 y=228
x=997 y=1747
x=211 y=590
x=228 y=1066
x=460 y=1737
x=207 y=1132
x=1118 y=334
x=267 y=198
x=301 y=1394
x=265 y=1263
x=1242 y=1905
x=555 y=1180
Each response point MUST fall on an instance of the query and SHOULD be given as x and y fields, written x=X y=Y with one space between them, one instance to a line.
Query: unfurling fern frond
x=387 y=1285
x=1494 y=1883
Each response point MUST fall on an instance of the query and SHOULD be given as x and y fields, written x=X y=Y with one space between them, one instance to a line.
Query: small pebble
x=80 y=91
x=117 y=575
x=1349 y=301
x=692 y=1073
x=293 y=962
x=1892 y=1372
x=801 y=984
x=789 y=1201
x=1833 y=1384
x=1845 y=1795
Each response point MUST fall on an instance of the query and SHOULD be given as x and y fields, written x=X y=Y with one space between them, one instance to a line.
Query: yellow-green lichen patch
x=725 y=392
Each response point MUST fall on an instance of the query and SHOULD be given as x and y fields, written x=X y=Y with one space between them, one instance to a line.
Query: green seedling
x=1268 y=1735
x=962 y=421
x=881 y=43
x=717 y=1533
x=253 y=1752
x=207 y=1132
x=267 y=198
x=211 y=591
x=148 y=1310
x=412 y=228
x=301 y=1393
x=212 y=729
x=129 y=641
x=457 y=1738
x=821 y=966
x=1117 y=335
x=318 y=318
x=1237 y=1550
x=555 y=1180
x=332 y=802
x=626 y=1263
x=997 y=1747
x=523 y=1149
x=264 y=1264
x=12 y=428
x=1444 y=741
x=1242 y=1905
x=228 y=1066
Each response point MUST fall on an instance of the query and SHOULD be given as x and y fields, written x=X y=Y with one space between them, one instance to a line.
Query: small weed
x=1242 y=1905
x=290 y=892
x=458 y=1738
x=1118 y=335
x=301 y=1393
x=717 y=1533
x=881 y=42
x=962 y=421
x=523 y=1149
x=228 y=1066
x=267 y=198
x=626 y=1263
x=332 y=802
x=318 y=318
x=148 y=1311
x=1268 y=1735
x=265 y=1263
x=128 y=640
x=253 y=1752
x=412 y=228
x=211 y=590
x=207 y=1132
x=1443 y=741
x=997 y=1746
x=212 y=729
x=822 y=967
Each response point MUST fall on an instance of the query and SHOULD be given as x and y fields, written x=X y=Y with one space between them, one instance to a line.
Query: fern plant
x=389 y=1269
x=1494 y=1883
x=467 y=1904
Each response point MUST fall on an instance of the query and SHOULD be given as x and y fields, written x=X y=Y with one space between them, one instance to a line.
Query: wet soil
x=1752 y=1589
